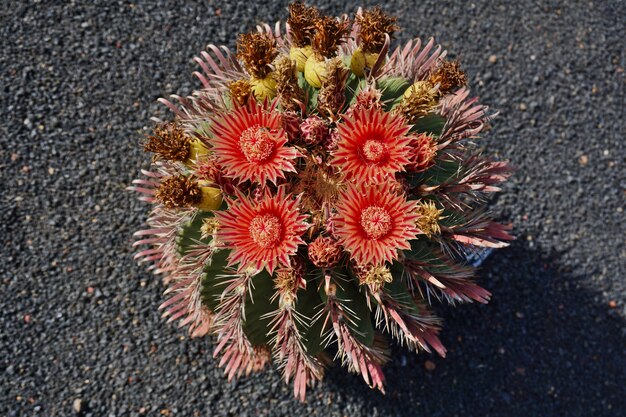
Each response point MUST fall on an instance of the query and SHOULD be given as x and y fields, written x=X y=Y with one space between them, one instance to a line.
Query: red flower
x=372 y=145
x=249 y=143
x=373 y=223
x=262 y=234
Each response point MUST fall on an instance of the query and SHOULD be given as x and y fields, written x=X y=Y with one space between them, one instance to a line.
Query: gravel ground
x=79 y=325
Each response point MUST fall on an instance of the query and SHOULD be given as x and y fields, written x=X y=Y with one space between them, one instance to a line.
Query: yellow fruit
x=361 y=60
x=197 y=149
x=211 y=198
x=300 y=55
x=357 y=63
x=315 y=71
x=264 y=88
x=371 y=58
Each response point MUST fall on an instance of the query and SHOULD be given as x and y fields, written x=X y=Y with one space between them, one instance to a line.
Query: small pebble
x=77 y=405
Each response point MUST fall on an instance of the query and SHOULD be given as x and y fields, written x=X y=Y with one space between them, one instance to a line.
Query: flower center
x=265 y=230
x=376 y=222
x=256 y=144
x=374 y=151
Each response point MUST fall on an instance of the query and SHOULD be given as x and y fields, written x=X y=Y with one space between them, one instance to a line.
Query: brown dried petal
x=257 y=51
x=301 y=23
x=374 y=25
x=178 y=191
x=329 y=34
x=169 y=142
x=449 y=76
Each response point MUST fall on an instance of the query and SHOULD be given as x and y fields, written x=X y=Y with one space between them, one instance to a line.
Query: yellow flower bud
x=315 y=71
x=211 y=197
x=264 y=88
x=300 y=55
x=361 y=60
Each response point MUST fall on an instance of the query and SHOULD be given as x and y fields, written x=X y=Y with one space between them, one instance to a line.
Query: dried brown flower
x=332 y=95
x=169 y=142
x=178 y=191
x=302 y=23
x=287 y=89
x=329 y=34
x=374 y=25
x=240 y=91
x=257 y=51
x=449 y=76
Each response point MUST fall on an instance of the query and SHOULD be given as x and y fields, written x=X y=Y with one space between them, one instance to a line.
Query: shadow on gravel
x=543 y=346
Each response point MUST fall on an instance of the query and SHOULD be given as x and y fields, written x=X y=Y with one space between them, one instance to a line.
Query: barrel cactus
x=317 y=194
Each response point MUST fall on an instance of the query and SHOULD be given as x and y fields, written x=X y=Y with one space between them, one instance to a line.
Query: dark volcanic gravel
x=80 y=332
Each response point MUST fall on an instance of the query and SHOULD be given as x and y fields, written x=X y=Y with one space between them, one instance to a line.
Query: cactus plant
x=318 y=193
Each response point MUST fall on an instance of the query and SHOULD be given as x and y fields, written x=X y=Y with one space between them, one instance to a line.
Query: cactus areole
x=316 y=194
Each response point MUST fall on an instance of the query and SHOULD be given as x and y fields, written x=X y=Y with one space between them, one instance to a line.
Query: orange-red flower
x=374 y=222
x=262 y=234
x=373 y=145
x=249 y=143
